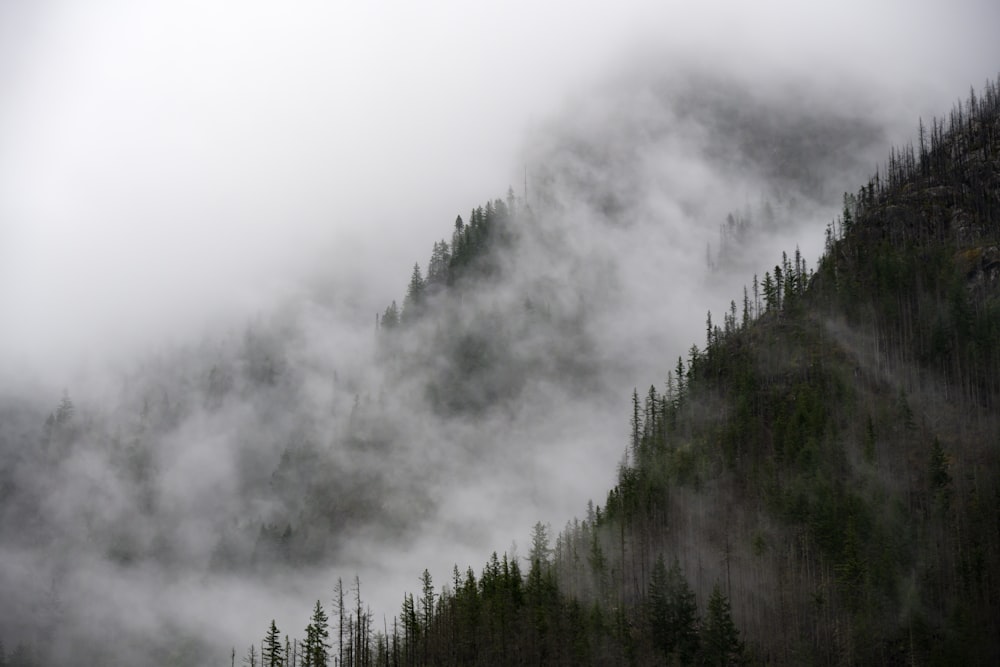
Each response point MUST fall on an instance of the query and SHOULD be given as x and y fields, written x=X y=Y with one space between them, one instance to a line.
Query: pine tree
x=316 y=647
x=770 y=293
x=427 y=599
x=672 y=612
x=636 y=424
x=540 y=550
x=458 y=249
x=411 y=628
x=720 y=639
x=307 y=645
x=391 y=317
x=438 y=267
x=272 y=654
x=414 y=300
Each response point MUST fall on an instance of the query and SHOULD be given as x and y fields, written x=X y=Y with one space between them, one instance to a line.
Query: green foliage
x=672 y=613
x=720 y=640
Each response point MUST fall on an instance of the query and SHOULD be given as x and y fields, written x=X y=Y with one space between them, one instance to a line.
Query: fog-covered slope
x=202 y=210
x=816 y=484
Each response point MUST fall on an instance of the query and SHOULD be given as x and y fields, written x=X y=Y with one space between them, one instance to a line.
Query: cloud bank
x=202 y=206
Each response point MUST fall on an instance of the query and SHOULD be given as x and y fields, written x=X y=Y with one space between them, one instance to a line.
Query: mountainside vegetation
x=814 y=482
x=817 y=483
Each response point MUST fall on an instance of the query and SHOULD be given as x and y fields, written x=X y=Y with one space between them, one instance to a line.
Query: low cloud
x=203 y=208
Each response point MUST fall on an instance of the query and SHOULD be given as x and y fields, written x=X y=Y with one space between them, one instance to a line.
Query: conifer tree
x=672 y=612
x=636 y=423
x=427 y=599
x=391 y=316
x=437 y=268
x=720 y=639
x=414 y=300
x=411 y=628
x=316 y=647
x=770 y=293
x=272 y=654
x=683 y=614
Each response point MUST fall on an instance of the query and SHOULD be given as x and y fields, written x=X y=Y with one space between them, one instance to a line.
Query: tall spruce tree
x=672 y=613
x=720 y=638
x=315 y=650
x=414 y=300
x=272 y=654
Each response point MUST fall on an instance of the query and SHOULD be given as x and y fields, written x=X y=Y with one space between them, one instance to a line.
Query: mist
x=203 y=207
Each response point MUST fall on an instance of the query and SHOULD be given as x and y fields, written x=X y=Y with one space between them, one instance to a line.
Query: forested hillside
x=304 y=443
x=814 y=483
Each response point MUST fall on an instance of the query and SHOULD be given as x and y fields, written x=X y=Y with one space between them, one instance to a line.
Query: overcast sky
x=168 y=168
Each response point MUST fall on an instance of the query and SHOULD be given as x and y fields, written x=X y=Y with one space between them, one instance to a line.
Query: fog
x=203 y=206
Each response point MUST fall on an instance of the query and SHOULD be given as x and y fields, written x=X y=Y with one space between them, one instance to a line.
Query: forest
x=814 y=483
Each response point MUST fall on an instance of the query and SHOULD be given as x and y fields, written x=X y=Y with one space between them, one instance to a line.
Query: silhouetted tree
x=271 y=653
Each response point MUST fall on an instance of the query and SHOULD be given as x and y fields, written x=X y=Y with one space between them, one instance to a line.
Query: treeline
x=506 y=617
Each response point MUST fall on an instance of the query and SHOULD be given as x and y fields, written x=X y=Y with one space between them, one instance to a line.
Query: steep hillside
x=818 y=484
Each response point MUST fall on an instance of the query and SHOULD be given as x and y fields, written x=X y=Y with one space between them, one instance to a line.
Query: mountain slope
x=823 y=475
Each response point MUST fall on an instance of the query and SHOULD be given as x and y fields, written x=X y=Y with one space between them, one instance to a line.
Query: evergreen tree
x=414 y=300
x=391 y=317
x=458 y=246
x=438 y=267
x=672 y=612
x=315 y=650
x=411 y=628
x=636 y=424
x=720 y=639
x=272 y=654
x=770 y=293
x=540 y=551
x=427 y=599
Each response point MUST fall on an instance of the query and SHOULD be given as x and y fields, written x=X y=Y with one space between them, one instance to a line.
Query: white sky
x=169 y=168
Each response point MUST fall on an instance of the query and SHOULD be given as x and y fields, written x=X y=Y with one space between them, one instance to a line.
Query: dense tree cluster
x=915 y=259
x=470 y=255
x=504 y=616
